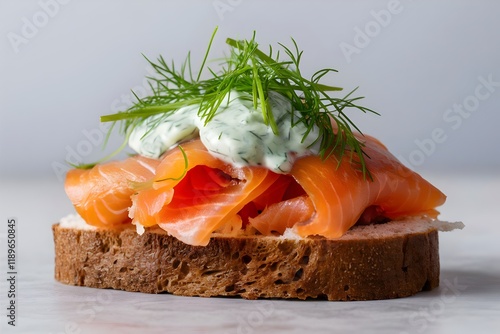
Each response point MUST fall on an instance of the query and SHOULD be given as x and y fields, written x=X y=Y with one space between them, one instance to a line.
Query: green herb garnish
x=248 y=69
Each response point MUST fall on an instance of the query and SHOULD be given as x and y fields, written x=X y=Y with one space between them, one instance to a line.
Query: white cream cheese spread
x=237 y=134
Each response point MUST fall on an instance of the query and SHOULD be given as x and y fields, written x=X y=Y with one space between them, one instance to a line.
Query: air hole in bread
x=298 y=274
x=184 y=268
x=285 y=247
x=235 y=256
x=193 y=256
x=211 y=272
x=346 y=287
x=162 y=284
x=229 y=288
x=123 y=269
x=299 y=290
x=304 y=260
x=307 y=251
x=114 y=262
x=176 y=263
x=105 y=248
x=405 y=269
x=274 y=266
x=246 y=259
x=278 y=282
x=147 y=242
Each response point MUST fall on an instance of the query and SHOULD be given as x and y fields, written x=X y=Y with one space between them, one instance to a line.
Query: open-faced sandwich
x=253 y=183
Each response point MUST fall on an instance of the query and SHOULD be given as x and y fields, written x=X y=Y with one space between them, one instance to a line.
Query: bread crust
x=385 y=264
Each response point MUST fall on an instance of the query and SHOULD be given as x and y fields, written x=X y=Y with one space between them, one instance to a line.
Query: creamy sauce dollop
x=237 y=134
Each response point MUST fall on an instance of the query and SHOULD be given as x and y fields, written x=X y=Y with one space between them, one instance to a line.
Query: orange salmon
x=101 y=195
x=199 y=201
x=340 y=193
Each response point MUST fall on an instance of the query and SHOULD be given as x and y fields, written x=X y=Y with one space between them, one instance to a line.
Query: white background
x=83 y=57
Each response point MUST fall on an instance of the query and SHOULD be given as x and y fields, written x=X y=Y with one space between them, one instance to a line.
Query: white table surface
x=468 y=300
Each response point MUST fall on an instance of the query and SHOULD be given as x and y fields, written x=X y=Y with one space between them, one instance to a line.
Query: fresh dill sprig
x=248 y=69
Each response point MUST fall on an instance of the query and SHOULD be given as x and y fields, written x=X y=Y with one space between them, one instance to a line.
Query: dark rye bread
x=395 y=259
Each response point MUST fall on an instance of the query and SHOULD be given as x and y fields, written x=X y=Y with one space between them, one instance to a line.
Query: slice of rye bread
x=395 y=259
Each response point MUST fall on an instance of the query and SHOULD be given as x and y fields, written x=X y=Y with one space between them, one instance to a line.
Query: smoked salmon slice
x=201 y=201
x=343 y=194
x=101 y=195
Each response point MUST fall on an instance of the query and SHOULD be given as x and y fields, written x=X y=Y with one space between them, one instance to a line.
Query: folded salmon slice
x=340 y=193
x=101 y=195
x=204 y=193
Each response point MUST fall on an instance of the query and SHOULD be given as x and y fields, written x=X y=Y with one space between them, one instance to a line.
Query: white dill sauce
x=236 y=134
